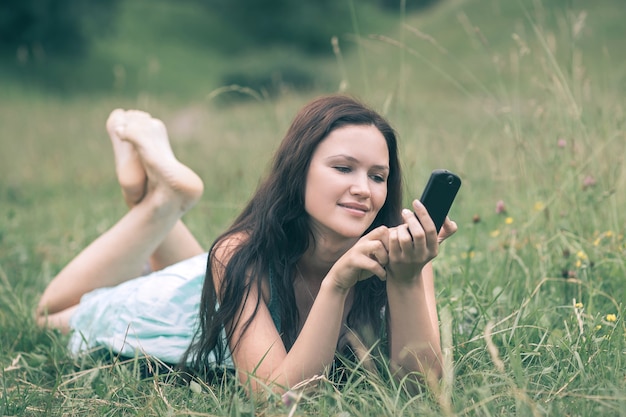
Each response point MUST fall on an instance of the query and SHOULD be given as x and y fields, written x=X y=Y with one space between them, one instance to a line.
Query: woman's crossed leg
x=158 y=190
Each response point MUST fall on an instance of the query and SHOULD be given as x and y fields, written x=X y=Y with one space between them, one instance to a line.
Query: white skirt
x=155 y=315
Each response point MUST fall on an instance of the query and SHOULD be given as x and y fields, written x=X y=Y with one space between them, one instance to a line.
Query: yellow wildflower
x=508 y=220
x=608 y=234
x=494 y=233
x=611 y=317
x=539 y=206
x=581 y=255
x=578 y=305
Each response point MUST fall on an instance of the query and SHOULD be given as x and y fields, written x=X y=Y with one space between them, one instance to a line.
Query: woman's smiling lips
x=355 y=208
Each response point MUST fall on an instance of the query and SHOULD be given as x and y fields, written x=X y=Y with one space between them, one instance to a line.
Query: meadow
x=523 y=99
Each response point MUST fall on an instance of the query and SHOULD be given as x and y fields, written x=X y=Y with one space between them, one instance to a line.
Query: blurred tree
x=39 y=28
x=308 y=25
x=410 y=5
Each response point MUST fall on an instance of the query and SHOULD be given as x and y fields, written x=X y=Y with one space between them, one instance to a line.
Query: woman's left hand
x=414 y=243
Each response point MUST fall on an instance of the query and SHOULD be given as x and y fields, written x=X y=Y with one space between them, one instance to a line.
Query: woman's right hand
x=367 y=257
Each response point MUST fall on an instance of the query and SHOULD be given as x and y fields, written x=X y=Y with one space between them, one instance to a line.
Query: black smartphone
x=439 y=194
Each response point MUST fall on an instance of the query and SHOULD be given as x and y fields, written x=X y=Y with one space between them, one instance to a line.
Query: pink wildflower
x=589 y=181
x=500 y=207
x=561 y=143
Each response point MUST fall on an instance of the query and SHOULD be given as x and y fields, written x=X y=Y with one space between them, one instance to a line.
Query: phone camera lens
x=450 y=179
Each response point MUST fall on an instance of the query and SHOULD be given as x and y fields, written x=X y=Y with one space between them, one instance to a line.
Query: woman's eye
x=377 y=178
x=343 y=169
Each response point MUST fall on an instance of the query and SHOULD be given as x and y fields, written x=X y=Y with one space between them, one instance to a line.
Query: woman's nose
x=360 y=186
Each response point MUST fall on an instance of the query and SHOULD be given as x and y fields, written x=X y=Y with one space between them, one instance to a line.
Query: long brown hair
x=278 y=233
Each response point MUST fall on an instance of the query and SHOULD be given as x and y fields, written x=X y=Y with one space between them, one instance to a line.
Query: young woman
x=323 y=259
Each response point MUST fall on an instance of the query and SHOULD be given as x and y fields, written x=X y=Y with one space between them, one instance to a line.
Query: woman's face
x=346 y=183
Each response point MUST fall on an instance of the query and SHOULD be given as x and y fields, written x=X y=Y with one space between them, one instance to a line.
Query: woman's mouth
x=355 y=208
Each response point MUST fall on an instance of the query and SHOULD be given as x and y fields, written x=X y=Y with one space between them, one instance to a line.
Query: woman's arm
x=259 y=353
x=414 y=339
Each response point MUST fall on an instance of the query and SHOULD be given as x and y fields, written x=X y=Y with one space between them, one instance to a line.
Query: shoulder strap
x=273 y=305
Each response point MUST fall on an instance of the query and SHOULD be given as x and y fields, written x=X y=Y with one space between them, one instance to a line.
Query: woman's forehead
x=355 y=142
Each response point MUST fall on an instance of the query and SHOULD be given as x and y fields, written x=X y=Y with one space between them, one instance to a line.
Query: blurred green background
x=188 y=48
x=180 y=47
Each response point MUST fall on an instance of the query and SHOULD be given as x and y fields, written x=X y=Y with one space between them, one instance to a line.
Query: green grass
x=531 y=300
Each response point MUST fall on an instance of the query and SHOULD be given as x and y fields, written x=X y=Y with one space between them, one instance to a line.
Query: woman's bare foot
x=130 y=172
x=169 y=181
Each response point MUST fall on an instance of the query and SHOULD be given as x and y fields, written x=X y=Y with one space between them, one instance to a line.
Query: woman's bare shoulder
x=223 y=251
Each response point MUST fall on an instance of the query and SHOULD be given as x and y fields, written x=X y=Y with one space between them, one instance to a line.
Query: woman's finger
x=448 y=229
x=409 y=233
x=423 y=217
x=381 y=233
x=377 y=251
